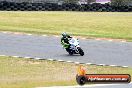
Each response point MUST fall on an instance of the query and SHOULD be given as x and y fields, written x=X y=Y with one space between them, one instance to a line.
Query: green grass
x=89 y=24
x=29 y=73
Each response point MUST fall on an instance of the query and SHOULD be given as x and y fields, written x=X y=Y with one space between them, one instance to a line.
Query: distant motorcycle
x=75 y=47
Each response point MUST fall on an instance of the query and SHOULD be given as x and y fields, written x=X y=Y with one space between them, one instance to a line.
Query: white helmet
x=64 y=34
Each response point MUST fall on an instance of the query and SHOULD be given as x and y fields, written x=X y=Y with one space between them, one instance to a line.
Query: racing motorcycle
x=75 y=47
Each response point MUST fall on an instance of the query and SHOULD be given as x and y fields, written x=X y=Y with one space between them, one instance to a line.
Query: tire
x=43 y=9
x=29 y=9
x=4 y=8
x=8 y=9
x=69 y=51
x=15 y=9
x=21 y=9
x=80 y=51
x=81 y=80
x=33 y=8
x=40 y=8
x=37 y=9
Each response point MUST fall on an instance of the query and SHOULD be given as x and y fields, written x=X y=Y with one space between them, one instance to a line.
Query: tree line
x=113 y=2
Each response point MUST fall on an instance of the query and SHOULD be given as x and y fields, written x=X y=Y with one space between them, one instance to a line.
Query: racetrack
x=49 y=47
x=95 y=86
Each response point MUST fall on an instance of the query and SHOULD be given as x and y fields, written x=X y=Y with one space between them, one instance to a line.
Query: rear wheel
x=69 y=51
x=80 y=51
x=81 y=80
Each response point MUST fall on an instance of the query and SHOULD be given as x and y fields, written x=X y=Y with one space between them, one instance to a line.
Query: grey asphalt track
x=115 y=86
x=96 y=86
x=97 y=52
x=111 y=86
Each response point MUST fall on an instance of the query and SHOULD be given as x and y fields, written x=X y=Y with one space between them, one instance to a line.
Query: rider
x=65 y=41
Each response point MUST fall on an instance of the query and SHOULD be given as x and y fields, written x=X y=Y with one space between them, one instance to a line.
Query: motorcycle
x=75 y=47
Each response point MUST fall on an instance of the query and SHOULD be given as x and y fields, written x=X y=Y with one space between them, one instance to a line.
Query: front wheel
x=80 y=51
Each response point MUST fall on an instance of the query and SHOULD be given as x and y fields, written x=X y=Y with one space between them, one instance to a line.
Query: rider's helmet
x=64 y=34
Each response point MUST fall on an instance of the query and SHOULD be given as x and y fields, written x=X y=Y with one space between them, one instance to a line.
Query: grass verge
x=89 y=24
x=29 y=73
